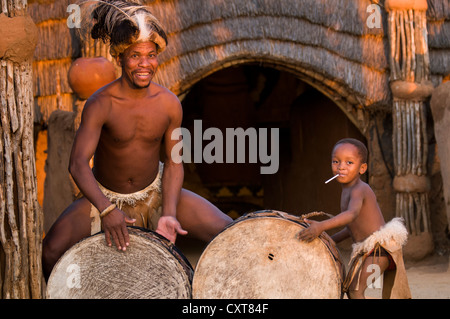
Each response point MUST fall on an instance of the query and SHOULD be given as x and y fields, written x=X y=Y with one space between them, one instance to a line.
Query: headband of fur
x=121 y=24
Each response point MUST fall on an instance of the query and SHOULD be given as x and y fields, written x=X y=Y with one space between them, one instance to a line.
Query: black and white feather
x=121 y=24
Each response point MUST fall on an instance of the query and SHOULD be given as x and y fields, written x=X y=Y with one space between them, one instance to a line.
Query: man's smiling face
x=139 y=64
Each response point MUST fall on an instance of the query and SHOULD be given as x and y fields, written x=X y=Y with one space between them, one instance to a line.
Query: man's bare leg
x=71 y=226
x=381 y=261
x=199 y=217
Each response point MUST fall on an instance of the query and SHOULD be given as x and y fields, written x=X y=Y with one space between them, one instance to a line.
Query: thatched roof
x=438 y=17
x=325 y=43
x=332 y=40
x=53 y=56
x=329 y=46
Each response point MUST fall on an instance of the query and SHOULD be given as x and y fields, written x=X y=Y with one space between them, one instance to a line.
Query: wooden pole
x=20 y=213
x=410 y=88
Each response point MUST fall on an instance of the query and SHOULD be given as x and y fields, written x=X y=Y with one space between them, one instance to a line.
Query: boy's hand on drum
x=114 y=225
x=310 y=233
x=169 y=227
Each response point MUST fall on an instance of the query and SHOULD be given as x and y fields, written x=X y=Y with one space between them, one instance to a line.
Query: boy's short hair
x=362 y=149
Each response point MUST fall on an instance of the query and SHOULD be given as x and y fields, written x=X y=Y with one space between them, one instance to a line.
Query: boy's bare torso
x=369 y=219
x=127 y=156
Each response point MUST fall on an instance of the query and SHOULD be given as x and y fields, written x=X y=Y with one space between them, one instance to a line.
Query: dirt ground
x=428 y=278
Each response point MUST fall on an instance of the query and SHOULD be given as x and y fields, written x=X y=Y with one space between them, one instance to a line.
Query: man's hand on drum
x=114 y=225
x=310 y=233
x=169 y=227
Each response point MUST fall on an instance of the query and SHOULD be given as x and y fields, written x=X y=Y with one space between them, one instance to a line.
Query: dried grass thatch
x=438 y=26
x=53 y=56
x=328 y=46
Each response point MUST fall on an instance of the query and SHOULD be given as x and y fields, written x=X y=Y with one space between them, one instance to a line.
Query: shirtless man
x=362 y=220
x=124 y=125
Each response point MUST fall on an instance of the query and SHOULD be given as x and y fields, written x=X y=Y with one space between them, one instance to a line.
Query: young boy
x=364 y=223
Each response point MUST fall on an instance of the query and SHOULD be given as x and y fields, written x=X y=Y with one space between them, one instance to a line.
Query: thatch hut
x=317 y=70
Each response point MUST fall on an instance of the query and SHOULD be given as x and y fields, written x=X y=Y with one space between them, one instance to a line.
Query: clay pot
x=87 y=75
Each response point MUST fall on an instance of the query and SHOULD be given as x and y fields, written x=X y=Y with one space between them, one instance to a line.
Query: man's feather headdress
x=121 y=24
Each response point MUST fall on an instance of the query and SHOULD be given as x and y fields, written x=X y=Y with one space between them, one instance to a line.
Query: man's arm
x=84 y=145
x=172 y=179
x=93 y=118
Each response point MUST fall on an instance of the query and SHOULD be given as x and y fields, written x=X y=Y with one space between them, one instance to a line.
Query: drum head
x=150 y=268
x=261 y=257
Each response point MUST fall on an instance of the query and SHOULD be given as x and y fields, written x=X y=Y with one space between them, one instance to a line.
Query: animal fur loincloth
x=392 y=236
x=144 y=205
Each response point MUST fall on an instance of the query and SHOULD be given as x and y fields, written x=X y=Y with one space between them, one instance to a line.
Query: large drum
x=150 y=268
x=259 y=256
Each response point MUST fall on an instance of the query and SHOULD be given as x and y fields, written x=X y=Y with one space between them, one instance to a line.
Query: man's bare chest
x=135 y=125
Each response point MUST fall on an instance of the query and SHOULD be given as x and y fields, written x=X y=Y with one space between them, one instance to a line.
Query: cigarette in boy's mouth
x=331 y=179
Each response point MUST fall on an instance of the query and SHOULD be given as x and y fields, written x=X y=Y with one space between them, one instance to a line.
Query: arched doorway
x=256 y=96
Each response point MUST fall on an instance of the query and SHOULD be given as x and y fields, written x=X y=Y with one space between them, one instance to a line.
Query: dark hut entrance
x=255 y=96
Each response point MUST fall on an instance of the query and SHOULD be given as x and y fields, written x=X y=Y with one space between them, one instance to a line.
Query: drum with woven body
x=150 y=268
x=259 y=256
